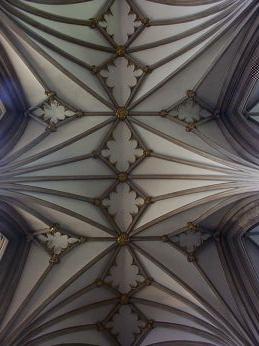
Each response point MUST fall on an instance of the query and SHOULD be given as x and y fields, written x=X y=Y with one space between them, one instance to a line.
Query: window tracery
x=3 y=245
x=2 y=109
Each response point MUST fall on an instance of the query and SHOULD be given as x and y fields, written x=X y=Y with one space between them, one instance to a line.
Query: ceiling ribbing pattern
x=117 y=175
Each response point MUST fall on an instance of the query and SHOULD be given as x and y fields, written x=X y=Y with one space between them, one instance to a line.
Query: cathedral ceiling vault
x=129 y=172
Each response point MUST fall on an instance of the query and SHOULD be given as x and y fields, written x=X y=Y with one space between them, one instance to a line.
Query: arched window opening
x=3 y=245
x=2 y=109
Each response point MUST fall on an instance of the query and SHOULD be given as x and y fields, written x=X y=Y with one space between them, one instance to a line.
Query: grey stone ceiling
x=129 y=181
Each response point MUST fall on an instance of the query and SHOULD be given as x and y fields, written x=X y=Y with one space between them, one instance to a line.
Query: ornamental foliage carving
x=57 y=242
x=190 y=112
x=123 y=203
x=52 y=111
x=122 y=150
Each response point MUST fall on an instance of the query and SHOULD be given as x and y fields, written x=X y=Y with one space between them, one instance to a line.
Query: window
x=3 y=245
x=2 y=109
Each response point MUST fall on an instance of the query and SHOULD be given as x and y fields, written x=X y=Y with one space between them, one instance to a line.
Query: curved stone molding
x=13 y=121
x=14 y=228
x=185 y=2
x=240 y=130
x=238 y=267
x=58 y=2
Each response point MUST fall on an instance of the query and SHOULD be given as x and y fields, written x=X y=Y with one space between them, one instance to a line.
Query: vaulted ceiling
x=129 y=179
